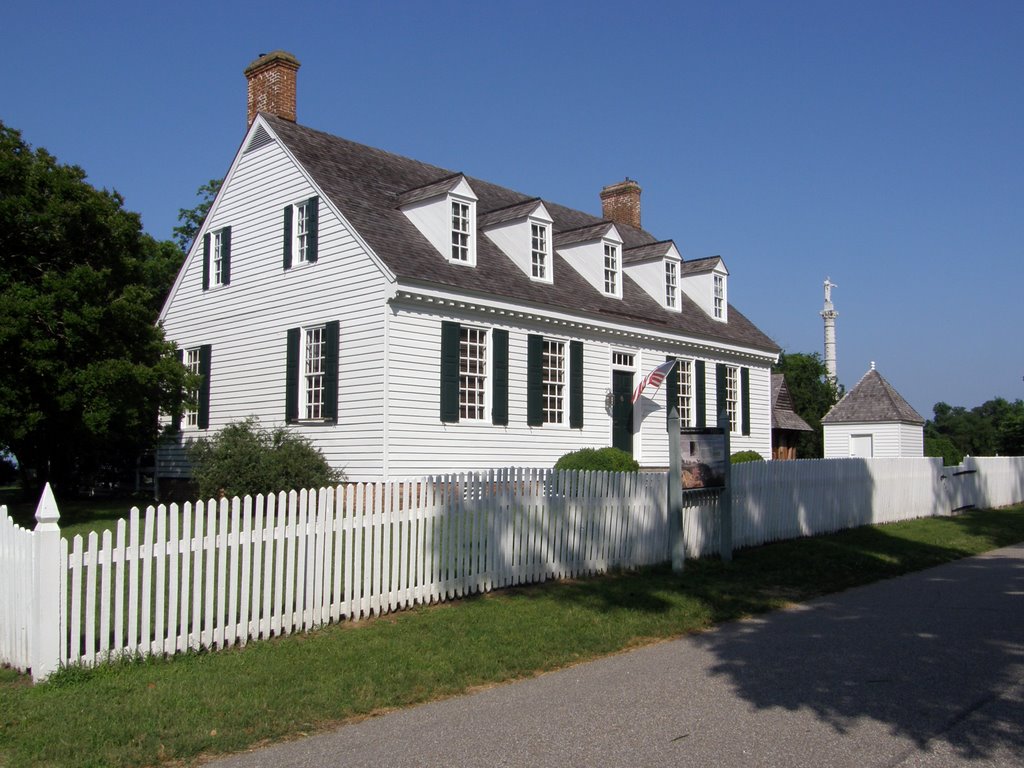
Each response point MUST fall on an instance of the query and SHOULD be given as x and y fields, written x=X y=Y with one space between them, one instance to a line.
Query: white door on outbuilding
x=861 y=446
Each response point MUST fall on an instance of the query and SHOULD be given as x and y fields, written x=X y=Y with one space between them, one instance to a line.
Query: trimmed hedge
x=741 y=457
x=602 y=459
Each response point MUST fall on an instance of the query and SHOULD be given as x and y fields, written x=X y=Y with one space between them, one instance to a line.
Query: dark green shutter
x=499 y=381
x=287 y=237
x=312 y=228
x=719 y=390
x=203 y=412
x=225 y=256
x=745 y=397
x=291 y=384
x=206 y=261
x=701 y=391
x=671 y=390
x=449 y=371
x=331 y=339
x=534 y=380
x=576 y=384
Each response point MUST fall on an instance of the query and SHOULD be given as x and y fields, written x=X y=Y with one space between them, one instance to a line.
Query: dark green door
x=622 y=410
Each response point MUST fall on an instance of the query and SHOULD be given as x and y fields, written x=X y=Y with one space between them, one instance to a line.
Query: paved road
x=922 y=671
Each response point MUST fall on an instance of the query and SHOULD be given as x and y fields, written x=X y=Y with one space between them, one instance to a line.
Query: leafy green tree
x=813 y=395
x=245 y=459
x=84 y=369
x=192 y=218
x=996 y=427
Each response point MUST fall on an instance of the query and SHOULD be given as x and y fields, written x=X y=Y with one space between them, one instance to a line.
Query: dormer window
x=611 y=269
x=719 y=305
x=461 y=232
x=671 y=284
x=540 y=250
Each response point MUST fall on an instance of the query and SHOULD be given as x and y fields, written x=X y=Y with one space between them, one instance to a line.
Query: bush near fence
x=220 y=573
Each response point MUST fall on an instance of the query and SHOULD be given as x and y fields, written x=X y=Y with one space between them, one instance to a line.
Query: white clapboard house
x=411 y=320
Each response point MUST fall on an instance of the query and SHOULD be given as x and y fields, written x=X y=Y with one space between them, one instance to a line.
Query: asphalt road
x=923 y=670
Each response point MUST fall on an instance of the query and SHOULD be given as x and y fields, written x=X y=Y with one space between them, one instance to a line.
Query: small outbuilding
x=787 y=426
x=873 y=420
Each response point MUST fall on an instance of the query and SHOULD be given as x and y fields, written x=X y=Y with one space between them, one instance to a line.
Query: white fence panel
x=219 y=573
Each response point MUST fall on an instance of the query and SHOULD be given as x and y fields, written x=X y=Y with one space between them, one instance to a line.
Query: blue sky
x=877 y=143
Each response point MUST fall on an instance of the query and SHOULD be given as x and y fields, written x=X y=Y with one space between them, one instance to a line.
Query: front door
x=622 y=410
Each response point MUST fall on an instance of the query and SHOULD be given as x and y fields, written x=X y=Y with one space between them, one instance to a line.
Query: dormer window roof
x=444 y=211
x=706 y=282
x=656 y=267
x=595 y=251
x=523 y=233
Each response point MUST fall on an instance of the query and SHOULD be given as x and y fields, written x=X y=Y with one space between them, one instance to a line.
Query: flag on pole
x=653 y=379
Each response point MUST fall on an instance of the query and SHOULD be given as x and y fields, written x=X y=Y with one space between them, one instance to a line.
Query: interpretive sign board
x=703 y=454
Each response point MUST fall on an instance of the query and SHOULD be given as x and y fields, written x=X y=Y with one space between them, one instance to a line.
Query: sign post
x=675 y=494
x=725 y=498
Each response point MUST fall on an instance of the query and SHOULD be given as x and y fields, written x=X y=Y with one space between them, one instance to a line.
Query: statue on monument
x=829 y=285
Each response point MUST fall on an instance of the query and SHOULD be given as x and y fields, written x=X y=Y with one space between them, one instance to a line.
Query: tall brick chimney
x=272 y=85
x=621 y=203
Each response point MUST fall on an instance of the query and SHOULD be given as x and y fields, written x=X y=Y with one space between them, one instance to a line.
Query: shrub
x=245 y=459
x=943 y=447
x=741 y=457
x=605 y=459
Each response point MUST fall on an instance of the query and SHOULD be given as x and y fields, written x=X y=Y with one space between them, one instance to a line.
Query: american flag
x=654 y=378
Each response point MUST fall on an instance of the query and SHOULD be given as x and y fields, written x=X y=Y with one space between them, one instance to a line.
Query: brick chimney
x=621 y=203
x=272 y=85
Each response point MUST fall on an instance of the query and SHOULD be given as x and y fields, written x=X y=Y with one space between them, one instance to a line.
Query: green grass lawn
x=147 y=712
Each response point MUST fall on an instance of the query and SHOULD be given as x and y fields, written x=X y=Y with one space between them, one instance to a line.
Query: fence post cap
x=47 y=513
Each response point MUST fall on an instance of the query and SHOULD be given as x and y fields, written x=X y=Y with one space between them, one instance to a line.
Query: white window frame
x=685 y=403
x=300 y=232
x=612 y=270
x=217 y=258
x=732 y=398
x=554 y=381
x=540 y=251
x=474 y=373
x=719 y=296
x=671 y=285
x=191 y=414
x=312 y=372
x=623 y=361
x=462 y=229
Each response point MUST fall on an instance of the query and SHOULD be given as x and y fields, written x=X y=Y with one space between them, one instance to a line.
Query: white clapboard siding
x=419 y=443
x=245 y=323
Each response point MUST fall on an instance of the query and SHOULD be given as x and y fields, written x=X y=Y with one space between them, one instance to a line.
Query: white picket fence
x=224 y=572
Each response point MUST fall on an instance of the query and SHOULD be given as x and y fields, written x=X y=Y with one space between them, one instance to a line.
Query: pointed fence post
x=45 y=623
x=675 y=494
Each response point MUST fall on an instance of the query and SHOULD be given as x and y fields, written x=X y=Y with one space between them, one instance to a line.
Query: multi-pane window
x=684 y=371
x=719 y=296
x=539 y=250
x=623 y=360
x=192 y=364
x=553 y=382
x=460 y=231
x=671 y=284
x=732 y=396
x=472 y=373
x=302 y=213
x=217 y=257
x=611 y=269
x=314 y=365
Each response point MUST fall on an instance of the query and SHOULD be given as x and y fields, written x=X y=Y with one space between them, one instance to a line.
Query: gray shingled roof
x=366 y=184
x=696 y=266
x=783 y=415
x=646 y=252
x=872 y=400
